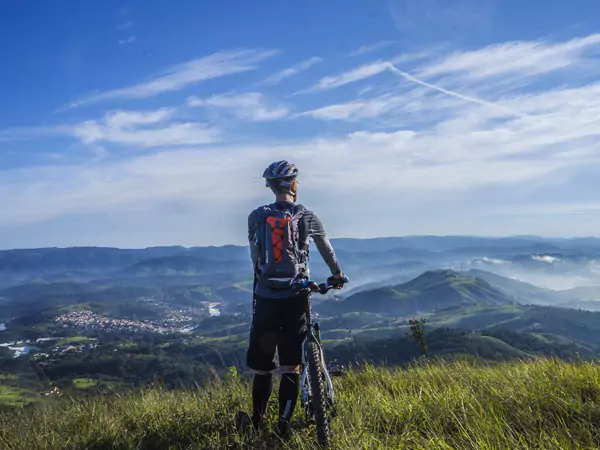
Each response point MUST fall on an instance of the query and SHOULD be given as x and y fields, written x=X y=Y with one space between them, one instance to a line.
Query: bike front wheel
x=318 y=394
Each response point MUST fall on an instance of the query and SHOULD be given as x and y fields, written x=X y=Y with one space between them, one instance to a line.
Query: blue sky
x=138 y=123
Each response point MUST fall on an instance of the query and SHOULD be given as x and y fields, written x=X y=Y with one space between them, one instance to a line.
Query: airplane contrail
x=479 y=101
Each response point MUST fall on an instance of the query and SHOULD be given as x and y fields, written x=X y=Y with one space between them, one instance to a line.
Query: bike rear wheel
x=318 y=394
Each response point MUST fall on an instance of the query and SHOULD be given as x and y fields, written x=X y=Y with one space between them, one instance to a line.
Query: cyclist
x=279 y=236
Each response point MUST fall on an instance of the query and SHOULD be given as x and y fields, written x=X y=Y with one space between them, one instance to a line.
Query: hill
x=431 y=291
x=186 y=265
x=571 y=324
x=534 y=404
x=581 y=294
x=492 y=345
x=522 y=292
x=42 y=260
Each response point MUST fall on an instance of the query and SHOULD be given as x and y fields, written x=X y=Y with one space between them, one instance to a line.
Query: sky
x=145 y=123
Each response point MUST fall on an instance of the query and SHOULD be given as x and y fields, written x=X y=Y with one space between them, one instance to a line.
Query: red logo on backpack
x=278 y=232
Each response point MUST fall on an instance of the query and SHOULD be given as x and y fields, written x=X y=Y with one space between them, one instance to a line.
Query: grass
x=84 y=383
x=12 y=396
x=8 y=376
x=72 y=340
x=539 y=404
x=132 y=345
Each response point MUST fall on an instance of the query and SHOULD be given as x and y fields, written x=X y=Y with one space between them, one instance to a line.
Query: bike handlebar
x=322 y=288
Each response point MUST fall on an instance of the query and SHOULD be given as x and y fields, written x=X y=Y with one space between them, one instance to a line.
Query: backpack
x=283 y=247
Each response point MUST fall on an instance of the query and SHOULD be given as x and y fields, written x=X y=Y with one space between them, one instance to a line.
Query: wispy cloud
x=456 y=148
x=250 y=106
x=128 y=40
x=496 y=66
x=383 y=166
x=522 y=58
x=364 y=49
x=125 y=25
x=291 y=71
x=180 y=76
x=467 y=98
x=360 y=73
x=143 y=129
x=355 y=110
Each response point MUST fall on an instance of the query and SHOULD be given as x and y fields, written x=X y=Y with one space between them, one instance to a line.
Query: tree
x=417 y=332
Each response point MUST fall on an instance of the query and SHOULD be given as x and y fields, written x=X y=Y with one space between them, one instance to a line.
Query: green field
x=14 y=396
x=84 y=383
x=73 y=340
x=541 y=404
x=8 y=377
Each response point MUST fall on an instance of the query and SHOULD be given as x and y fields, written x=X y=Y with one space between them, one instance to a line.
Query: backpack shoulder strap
x=298 y=211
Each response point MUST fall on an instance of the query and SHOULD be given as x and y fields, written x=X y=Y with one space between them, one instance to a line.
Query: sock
x=261 y=391
x=288 y=394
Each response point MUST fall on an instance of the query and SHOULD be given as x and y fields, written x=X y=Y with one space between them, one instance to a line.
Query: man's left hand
x=334 y=280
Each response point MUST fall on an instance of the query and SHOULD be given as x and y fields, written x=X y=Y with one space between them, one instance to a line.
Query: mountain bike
x=316 y=389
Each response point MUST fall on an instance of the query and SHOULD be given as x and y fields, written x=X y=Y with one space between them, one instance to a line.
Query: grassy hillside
x=433 y=290
x=521 y=291
x=535 y=404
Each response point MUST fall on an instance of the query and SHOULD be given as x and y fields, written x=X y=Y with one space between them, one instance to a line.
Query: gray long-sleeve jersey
x=314 y=227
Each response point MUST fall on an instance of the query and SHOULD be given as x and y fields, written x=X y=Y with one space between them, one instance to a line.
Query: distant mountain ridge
x=179 y=264
x=431 y=291
x=106 y=258
x=380 y=250
x=521 y=291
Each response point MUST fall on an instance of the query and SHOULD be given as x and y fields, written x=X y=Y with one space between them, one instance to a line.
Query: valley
x=81 y=321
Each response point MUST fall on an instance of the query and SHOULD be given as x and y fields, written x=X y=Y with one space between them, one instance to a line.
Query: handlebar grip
x=311 y=285
x=337 y=281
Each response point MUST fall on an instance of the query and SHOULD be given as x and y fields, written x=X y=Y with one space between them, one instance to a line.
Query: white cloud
x=451 y=93
x=124 y=119
x=361 y=164
x=291 y=71
x=356 y=110
x=364 y=49
x=143 y=129
x=545 y=258
x=360 y=73
x=522 y=58
x=250 y=106
x=187 y=74
x=455 y=156
x=127 y=40
x=427 y=175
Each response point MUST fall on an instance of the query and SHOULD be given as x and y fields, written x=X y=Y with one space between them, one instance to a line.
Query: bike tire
x=318 y=394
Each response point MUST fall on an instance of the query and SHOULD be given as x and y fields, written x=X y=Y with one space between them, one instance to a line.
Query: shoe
x=242 y=422
x=258 y=424
x=284 y=428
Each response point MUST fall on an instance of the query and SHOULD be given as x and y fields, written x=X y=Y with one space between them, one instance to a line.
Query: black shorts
x=277 y=324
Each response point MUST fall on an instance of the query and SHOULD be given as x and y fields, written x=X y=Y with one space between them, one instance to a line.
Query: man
x=279 y=236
